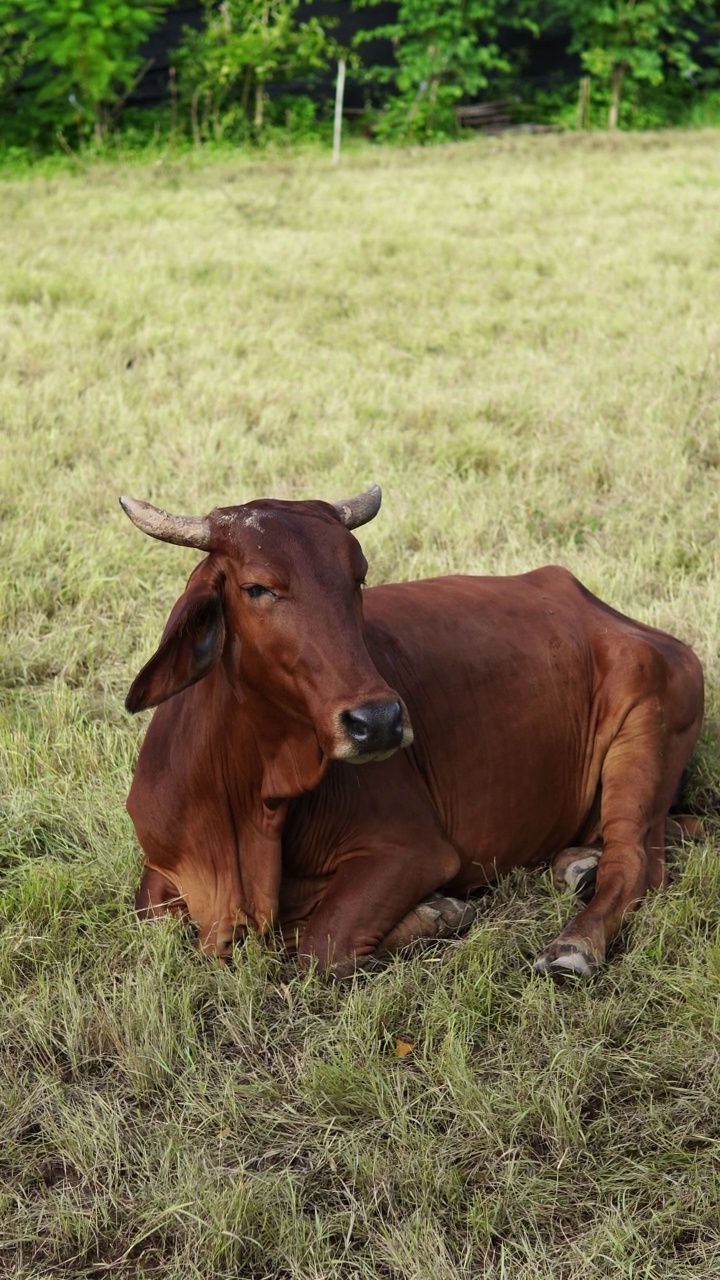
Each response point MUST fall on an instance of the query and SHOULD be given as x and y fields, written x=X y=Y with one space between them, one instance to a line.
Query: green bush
x=69 y=67
x=675 y=102
x=641 y=56
x=225 y=68
x=625 y=44
x=443 y=53
x=70 y=64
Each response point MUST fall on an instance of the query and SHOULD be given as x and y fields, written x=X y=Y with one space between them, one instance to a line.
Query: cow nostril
x=357 y=723
x=395 y=726
x=376 y=726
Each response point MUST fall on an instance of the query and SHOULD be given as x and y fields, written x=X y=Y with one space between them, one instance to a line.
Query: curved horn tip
x=183 y=531
x=359 y=510
x=141 y=513
x=134 y=507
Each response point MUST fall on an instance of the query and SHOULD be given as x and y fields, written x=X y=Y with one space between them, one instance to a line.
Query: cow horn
x=184 y=531
x=358 y=510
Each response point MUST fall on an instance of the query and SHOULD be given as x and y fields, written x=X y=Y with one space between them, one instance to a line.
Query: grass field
x=520 y=340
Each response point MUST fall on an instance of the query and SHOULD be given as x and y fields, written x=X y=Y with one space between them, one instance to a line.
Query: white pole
x=339 y=95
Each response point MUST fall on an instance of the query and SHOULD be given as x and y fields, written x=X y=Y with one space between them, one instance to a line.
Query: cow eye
x=255 y=590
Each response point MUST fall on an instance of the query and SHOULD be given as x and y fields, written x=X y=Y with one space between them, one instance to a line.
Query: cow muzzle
x=372 y=731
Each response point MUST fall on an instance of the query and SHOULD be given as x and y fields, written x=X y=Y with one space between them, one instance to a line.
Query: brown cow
x=541 y=718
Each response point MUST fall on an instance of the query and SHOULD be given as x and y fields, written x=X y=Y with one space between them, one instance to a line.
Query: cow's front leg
x=366 y=908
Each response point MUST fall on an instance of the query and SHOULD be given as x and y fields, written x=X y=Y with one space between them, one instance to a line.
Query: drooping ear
x=157 y=896
x=192 y=642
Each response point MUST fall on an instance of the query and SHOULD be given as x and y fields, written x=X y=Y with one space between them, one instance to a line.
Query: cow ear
x=192 y=642
x=157 y=896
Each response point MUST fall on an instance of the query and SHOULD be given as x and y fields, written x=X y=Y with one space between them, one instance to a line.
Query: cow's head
x=279 y=600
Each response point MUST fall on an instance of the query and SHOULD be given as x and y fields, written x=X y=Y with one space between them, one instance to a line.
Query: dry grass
x=521 y=341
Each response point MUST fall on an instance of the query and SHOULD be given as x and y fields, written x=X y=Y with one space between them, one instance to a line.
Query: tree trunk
x=207 y=105
x=245 y=99
x=173 y=105
x=618 y=75
x=583 y=114
x=258 y=105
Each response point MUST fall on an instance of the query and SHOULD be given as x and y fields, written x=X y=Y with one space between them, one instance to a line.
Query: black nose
x=378 y=726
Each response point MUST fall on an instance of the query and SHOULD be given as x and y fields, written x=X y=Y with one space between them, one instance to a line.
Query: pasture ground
x=520 y=340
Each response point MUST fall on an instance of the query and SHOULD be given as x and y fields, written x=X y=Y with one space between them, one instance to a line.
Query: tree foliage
x=16 y=47
x=639 y=40
x=68 y=67
x=77 y=59
x=443 y=53
x=244 y=44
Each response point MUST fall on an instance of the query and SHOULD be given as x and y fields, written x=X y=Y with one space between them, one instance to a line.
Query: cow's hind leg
x=639 y=777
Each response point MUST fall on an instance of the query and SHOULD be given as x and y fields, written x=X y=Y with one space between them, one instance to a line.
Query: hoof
x=434 y=919
x=576 y=869
x=454 y=915
x=681 y=829
x=346 y=969
x=566 y=960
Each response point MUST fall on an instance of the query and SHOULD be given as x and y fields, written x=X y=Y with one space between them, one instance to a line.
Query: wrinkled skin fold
x=497 y=722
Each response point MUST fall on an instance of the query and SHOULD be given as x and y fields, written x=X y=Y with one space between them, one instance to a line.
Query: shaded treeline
x=244 y=70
